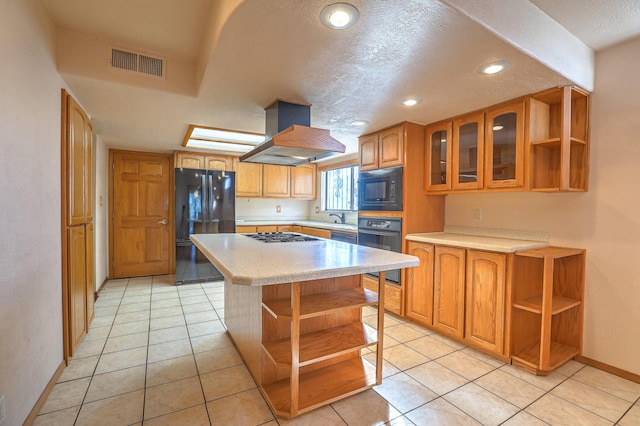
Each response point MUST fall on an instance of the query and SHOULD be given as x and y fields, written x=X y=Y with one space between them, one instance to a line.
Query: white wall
x=604 y=220
x=30 y=240
x=101 y=211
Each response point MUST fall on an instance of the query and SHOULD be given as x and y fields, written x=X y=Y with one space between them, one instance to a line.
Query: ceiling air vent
x=137 y=62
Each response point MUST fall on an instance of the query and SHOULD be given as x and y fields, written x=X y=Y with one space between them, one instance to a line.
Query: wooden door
x=303 y=182
x=504 y=147
x=368 y=150
x=391 y=147
x=248 y=179
x=275 y=181
x=468 y=151
x=485 y=300
x=77 y=275
x=448 y=301
x=438 y=155
x=419 y=284
x=141 y=215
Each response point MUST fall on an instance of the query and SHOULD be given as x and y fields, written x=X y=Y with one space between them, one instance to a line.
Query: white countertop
x=245 y=261
x=480 y=242
x=312 y=223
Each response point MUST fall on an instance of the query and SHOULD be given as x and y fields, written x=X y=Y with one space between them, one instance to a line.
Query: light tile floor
x=159 y=354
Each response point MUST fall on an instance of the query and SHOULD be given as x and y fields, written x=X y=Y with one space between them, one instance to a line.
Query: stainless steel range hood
x=290 y=139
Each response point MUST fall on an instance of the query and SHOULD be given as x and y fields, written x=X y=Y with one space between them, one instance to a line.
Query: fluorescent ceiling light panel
x=221 y=139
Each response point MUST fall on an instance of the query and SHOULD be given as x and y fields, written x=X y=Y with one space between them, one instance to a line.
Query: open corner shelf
x=547 y=307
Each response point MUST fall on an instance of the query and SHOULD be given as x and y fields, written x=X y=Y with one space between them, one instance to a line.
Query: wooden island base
x=302 y=341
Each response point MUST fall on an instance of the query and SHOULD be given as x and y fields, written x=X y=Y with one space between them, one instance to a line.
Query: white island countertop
x=245 y=261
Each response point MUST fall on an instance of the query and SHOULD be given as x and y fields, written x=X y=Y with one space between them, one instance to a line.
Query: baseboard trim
x=609 y=368
x=47 y=390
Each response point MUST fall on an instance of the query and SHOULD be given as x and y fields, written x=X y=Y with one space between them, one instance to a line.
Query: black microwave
x=380 y=189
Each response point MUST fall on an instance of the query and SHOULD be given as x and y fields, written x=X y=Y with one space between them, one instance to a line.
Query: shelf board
x=322 y=386
x=322 y=303
x=558 y=355
x=578 y=141
x=558 y=304
x=323 y=344
x=554 y=252
x=547 y=143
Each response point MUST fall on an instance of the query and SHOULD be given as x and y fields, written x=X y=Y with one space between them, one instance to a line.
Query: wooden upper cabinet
x=438 y=156
x=449 y=283
x=468 y=151
x=419 y=284
x=79 y=160
x=383 y=149
x=248 y=179
x=303 y=182
x=368 y=150
x=485 y=299
x=275 y=181
x=217 y=162
x=195 y=160
x=504 y=147
x=391 y=147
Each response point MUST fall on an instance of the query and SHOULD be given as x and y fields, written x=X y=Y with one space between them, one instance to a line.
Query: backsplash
x=267 y=209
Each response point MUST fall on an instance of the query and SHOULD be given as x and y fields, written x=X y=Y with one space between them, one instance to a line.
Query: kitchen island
x=294 y=311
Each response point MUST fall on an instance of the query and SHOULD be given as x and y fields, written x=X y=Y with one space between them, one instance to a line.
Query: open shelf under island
x=294 y=311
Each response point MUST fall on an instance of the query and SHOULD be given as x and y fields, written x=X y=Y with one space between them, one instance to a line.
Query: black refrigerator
x=205 y=204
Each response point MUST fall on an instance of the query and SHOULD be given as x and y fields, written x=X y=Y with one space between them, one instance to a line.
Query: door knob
x=163 y=222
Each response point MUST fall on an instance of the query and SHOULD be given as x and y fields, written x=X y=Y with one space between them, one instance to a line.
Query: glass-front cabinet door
x=504 y=147
x=438 y=157
x=468 y=151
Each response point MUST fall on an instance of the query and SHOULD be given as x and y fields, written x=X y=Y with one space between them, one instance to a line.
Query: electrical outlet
x=477 y=213
x=317 y=209
x=2 y=410
x=278 y=209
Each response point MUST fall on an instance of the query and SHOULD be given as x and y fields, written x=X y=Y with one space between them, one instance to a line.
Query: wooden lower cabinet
x=419 y=284
x=303 y=342
x=448 y=301
x=246 y=229
x=486 y=285
x=317 y=232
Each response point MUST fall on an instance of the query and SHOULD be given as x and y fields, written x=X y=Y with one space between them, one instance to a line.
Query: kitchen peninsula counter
x=294 y=311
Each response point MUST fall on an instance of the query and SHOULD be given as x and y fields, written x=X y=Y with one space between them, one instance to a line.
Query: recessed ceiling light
x=498 y=127
x=411 y=102
x=221 y=139
x=493 y=67
x=359 y=123
x=339 y=16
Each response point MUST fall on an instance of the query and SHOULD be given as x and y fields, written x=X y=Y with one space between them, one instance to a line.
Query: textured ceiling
x=253 y=51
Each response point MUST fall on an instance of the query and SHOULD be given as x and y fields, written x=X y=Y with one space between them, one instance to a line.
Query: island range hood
x=291 y=140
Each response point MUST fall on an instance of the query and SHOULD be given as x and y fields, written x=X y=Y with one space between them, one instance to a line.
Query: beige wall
x=605 y=220
x=30 y=258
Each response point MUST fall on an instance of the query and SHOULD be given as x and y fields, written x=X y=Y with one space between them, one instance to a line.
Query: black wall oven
x=382 y=233
x=380 y=190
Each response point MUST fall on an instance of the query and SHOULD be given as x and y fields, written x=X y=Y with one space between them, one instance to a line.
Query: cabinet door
x=275 y=181
x=303 y=182
x=188 y=160
x=248 y=179
x=245 y=229
x=316 y=232
x=368 y=149
x=448 y=301
x=217 y=162
x=79 y=160
x=485 y=299
x=419 y=284
x=77 y=276
x=468 y=151
x=504 y=147
x=391 y=147
x=438 y=157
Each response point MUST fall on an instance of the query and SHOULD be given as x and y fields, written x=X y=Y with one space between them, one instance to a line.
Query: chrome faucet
x=339 y=216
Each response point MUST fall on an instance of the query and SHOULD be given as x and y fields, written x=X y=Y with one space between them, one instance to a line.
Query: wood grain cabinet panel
x=303 y=182
x=449 y=281
x=382 y=149
x=468 y=151
x=368 y=151
x=419 y=284
x=248 y=179
x=275 y=181
x=189 y=160
x=504 y=147
x=77 y=279
x=485 y=299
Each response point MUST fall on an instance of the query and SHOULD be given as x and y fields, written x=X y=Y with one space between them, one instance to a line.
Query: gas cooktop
x=280 y=237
